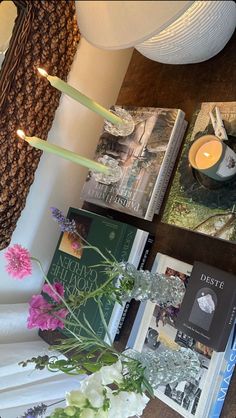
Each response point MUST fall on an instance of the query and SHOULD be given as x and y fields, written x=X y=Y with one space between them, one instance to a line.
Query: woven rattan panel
x=46 y=35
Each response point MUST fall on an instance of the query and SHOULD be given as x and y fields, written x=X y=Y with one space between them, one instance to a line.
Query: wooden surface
x=148 y=83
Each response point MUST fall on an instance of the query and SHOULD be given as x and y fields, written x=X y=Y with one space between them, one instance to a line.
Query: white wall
x=98 y=74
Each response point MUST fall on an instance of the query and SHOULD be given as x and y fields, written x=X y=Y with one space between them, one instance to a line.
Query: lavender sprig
x=64 y=223
x=38 y=411
x=35 y=412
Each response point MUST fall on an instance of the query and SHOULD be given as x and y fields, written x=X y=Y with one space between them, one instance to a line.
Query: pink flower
x=42 y=314
x=54 y=291
x=75 y=245
x=19 y=262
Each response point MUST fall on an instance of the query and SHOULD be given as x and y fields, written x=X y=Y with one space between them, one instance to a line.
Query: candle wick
x=207 y=154
x=42 y=72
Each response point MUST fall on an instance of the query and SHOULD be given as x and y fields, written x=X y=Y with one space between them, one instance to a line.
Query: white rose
x=110 y=374
x=76 y=398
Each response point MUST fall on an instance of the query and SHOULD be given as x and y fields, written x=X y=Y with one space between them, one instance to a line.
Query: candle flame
x=42 y=72
x=20 y=133
x=206 y=154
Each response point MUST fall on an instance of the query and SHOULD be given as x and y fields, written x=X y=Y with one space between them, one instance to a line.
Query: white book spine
x=172 y=143
x=169 y=165
x=134 y=258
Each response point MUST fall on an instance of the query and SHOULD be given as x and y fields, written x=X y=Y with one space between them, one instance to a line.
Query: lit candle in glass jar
x=208 y=154
x=213 y=157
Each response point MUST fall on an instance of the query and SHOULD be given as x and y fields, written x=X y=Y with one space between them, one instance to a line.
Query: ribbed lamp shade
x=199 y=34
x=123 y=24
x=173 y=32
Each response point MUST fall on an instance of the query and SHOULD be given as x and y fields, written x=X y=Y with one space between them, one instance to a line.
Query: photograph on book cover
x=139 y=157
x=154 y=329
x=195 y=201
x=72 y=243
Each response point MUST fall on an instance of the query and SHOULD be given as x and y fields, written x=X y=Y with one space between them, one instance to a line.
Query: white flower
x=126 y=404
x=92 y=389
x=76 y=398
x=110 y=374
x=88 y=413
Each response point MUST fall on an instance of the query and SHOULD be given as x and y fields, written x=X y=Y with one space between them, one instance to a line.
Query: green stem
x=65 y=303
x=104 y=320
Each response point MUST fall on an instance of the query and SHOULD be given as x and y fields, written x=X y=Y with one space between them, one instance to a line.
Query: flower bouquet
x=117 y=384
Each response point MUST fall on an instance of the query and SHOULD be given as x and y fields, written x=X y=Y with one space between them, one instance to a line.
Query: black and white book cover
x=209 y=306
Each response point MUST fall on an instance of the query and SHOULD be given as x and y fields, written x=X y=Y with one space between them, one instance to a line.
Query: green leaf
x=91 y=367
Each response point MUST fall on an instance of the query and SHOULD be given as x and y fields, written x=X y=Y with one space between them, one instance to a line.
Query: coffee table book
x=73 y=266
x=208 y=309
x=146 y=157
x=196 y=202
x=224 y=376
x=154 y=331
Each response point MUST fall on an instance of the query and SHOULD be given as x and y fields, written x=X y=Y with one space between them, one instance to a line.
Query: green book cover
x=73 y=265
x=196 y=202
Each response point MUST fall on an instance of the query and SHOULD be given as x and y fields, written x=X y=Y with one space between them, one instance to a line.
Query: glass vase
x=124 y=129
x=144 y=285
x=168 y=366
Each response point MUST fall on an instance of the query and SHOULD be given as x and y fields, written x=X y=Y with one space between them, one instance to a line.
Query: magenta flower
x=42 y=315
x=19 y=262
x=54 y=291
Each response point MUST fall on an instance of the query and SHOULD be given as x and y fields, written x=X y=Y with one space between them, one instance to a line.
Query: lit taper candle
x=81 y=98
x=39 y=143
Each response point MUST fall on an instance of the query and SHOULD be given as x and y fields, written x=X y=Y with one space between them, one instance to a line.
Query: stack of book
x=80 y=268
x=155 y=329
x=146 y=158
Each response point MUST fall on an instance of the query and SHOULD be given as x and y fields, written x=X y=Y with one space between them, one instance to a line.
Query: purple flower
x=35 y=412
x=64 y=223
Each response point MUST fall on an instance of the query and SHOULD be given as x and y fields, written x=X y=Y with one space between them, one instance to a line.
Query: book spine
x=230 y=320
x=169 y=166
x=230 y=357
x=172 y=142
x=141 y=266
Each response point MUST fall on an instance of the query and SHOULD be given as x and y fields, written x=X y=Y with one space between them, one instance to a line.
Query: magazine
x=154 y=329
x=144 y=159
x=196 y=202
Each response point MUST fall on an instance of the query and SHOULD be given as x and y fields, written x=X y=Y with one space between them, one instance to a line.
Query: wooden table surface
x=148 y=83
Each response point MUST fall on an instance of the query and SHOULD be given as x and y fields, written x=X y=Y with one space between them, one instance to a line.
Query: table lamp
x=173 y=32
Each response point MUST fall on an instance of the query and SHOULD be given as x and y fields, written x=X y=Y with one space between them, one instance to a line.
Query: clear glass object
x=168 y=366
x=143 y=285
x=123 y=129
x=115 y=171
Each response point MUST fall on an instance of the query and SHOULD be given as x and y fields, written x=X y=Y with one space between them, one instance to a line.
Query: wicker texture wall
x=46 y=35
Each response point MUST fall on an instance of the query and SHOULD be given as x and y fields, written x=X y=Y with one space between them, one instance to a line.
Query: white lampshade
x=199 y=34
x=173 y=32
x=122 y=24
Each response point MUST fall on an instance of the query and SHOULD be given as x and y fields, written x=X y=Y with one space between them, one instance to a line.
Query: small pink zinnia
x=19 y=262
x=54 y=291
